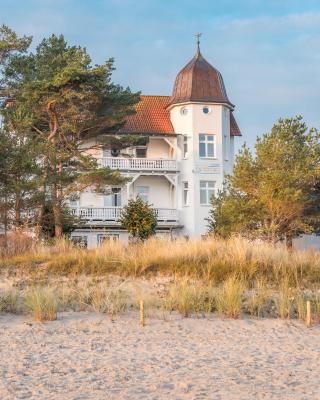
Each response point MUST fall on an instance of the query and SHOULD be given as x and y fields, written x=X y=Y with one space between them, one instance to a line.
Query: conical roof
x=199 y=81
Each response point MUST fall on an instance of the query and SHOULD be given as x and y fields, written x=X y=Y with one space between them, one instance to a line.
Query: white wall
x=193 y=168
x=158 y=148
x=159 y=191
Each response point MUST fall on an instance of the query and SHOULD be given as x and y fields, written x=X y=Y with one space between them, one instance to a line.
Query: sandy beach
x=90 y=356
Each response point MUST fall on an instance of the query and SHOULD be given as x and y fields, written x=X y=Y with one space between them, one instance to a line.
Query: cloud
x=267 y=51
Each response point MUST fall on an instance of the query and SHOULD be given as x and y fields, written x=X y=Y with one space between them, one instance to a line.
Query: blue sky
x=268 y=51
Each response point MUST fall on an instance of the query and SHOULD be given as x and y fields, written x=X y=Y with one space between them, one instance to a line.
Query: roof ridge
x=155 y=95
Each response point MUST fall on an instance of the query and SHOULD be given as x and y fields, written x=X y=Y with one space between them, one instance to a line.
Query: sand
x=90 y=356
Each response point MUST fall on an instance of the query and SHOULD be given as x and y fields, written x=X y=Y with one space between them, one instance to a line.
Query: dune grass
x=229 y=298
x=42 y=303
x=9 y=300
x=228 y=276
x=211 y=260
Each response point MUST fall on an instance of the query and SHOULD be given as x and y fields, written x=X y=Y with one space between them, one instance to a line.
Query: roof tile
x=152 y=117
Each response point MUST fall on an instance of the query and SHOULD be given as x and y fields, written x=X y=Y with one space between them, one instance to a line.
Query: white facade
x=177 y=173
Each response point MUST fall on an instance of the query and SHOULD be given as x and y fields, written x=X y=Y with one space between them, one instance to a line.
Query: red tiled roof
x=234 y=129
x=152 y=117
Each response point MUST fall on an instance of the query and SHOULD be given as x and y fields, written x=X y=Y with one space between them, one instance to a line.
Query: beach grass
x=230 y=277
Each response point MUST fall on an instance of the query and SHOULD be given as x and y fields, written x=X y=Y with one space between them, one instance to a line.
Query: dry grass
x=229 y=298
x=42 y=302
x=16 y=243
x=209 y=260
x=206 y=275
x=285 y=300
x=9 y=300
x=189 y=297
x=259 y=299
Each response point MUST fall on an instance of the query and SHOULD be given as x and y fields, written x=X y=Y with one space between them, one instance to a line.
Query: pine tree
x=69 y=105
x=274 y=194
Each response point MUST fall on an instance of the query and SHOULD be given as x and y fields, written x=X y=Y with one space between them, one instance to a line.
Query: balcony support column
x=172 y=147
x=128 y=184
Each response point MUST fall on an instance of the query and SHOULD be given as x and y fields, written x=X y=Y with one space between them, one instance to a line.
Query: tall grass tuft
x=285 y=300
x=258 y=297
x=301 y=304
x=42 y=303
x=188 y=297
x=229 y=298
x=9 y=300
x=108 y=300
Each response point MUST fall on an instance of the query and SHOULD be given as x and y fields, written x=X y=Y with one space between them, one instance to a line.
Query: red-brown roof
x=234 y=129
x=199 y=81
x=152 y=117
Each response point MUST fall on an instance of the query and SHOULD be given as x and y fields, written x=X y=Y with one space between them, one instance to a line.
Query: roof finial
x=198 y=35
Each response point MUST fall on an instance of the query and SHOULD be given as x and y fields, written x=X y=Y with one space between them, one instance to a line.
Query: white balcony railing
x=112 y=214
x=138 y=164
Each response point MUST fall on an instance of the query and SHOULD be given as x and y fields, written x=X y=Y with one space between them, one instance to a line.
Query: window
x=206 y=191
x=74 y=201
x=226 y=147
x=141 y=152
x=183 y=111
x=143 y=193
x=185 y=147
x=185 y=186
x=207 y=146
x=80 y=241
x=106 y=153
x=113 y=199
x=206 y=110
x=115 y=152
x=107 y=237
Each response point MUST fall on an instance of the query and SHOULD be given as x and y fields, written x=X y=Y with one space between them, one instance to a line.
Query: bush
x=15 y=243
x=139 y=219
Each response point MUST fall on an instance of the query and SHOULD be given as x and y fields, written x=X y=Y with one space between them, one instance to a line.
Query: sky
x=268 y=51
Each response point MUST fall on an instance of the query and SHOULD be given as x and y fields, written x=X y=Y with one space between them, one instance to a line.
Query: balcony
x=111 y=215
x=139 y=164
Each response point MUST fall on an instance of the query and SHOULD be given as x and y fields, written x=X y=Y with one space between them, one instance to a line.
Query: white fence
x=138 y=164
x=112 y=214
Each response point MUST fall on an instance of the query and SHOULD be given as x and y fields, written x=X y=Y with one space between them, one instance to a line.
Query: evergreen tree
x=274 y=194
x=69 y=105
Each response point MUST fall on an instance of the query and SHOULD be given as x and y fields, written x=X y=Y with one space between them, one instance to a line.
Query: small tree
x=139 y=219
x=273 y=194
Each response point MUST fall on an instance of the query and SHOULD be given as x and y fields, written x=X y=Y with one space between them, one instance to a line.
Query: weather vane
x=198 y=35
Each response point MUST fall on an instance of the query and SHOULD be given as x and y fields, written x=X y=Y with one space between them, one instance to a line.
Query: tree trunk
x=17 y=210
x=57 y=219
x=289 y=242
x=41 y=209
x=56 y=205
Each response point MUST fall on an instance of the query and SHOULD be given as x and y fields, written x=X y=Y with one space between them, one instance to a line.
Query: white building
x=190 y=149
